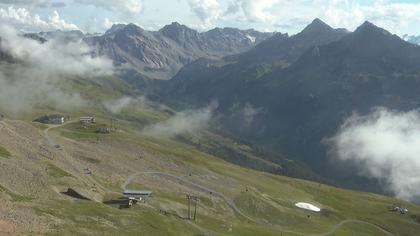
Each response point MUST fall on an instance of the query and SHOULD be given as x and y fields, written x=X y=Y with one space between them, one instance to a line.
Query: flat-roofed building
x=138 y=195
x=52 y=119
x=87 y=119
x=104 y=130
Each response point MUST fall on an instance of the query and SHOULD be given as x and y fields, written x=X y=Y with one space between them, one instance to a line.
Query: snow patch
x=252 y=39
x=307 y=206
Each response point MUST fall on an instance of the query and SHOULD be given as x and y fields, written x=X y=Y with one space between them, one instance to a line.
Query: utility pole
x=189 y=203
x=189 y=199
x=113 y=124
x=195 y=208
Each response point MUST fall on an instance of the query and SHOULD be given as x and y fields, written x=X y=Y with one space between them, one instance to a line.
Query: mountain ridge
x=360 y=70
x=148 y=55
x=160 y=54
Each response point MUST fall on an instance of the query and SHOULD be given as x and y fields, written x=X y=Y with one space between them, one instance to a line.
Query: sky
x=286 y=16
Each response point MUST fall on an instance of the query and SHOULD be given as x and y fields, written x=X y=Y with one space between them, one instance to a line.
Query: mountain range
x=272 y=89
x=303 y=88
x=160 y=54
x=234 y=144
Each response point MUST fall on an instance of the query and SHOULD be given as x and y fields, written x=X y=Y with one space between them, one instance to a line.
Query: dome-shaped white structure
x=307 y=206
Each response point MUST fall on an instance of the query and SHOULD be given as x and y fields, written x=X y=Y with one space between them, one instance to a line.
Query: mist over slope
x=385 y=146
x=39 y=71
x=190 y=122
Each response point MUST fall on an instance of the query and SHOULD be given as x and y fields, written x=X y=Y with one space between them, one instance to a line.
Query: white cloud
x=245 y=115
x=206 y=10
x=58 y=23
x=386 y=145
x=25 y=20
x=259 y=10
x=35 y=3
x=115 y=106
x=280 y=15
x=189 y=122
x=350 y=13
x=294 y=15
x=41 y=70
x=61 y=59
x=107 y=23
x=131 y=7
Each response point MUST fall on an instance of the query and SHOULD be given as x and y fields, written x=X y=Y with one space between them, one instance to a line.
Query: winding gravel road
x=232 y=205
x=228 y=201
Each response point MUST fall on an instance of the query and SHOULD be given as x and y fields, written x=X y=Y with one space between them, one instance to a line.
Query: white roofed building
x=87 y=119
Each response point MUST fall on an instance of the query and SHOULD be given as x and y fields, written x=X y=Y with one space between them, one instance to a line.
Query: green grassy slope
x=233 y=200
x=266 y=198
x=4 y=153
x=87 y=218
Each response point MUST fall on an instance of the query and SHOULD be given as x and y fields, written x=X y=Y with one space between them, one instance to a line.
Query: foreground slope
x=36 y=173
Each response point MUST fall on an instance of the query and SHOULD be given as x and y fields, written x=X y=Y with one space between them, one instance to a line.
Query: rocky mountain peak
x=114 y=28
x=177 y=31
x=368 y=28
x=368 y=32
x=367 y=25
x=129 y=29
x=132 y=29
x=317 y=26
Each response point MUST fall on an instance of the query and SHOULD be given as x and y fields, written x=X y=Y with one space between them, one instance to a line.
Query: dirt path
x=228 y=200
x=232 y=205
x=50 y=140
x=70 y=161
x=334 y=229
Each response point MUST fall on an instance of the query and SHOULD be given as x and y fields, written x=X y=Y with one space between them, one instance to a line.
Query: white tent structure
x=307 y=206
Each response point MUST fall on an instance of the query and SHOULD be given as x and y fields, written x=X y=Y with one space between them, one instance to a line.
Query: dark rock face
x=160 y=54
x=35 y=37
x=307 y=85
x=277 y=52
x=288 y=49
x=64 y=36
x=4 y=56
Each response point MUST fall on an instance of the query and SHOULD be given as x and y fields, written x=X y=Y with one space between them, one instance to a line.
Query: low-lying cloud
x=386 y=146
x=190 y=122
x=40 y=70
x=244 y=115
x=115 y=106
